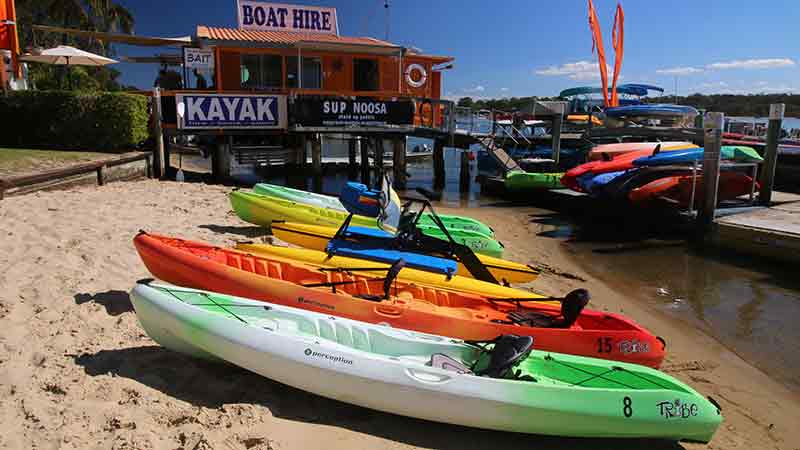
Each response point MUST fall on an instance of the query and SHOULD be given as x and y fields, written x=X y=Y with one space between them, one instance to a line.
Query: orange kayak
x=400 y=304
x=678 y=189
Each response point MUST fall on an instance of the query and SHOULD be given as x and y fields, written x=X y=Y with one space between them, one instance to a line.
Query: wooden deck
x=772 y=232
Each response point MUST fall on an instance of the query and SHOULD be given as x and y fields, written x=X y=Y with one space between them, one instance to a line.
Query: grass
x=16 y=161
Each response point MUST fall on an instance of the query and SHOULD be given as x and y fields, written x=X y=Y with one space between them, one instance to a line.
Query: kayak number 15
x=604 y=345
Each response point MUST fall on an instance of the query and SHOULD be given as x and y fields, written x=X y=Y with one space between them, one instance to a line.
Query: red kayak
x=569 y=328
x=679 y=189
x=621 y=162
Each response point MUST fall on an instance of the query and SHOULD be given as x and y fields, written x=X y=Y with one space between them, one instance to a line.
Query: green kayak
x=264 y=209
x=326 y=201
x=523 y=181
x=502 y=385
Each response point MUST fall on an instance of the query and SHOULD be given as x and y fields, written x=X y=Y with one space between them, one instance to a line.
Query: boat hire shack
x=286 y=70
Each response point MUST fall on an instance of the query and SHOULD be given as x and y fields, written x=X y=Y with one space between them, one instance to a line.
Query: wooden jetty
x=772 y=232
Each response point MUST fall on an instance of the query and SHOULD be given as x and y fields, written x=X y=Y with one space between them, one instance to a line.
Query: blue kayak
x=688 y=156
x=596 y=182
x=660 y=109
x=372 y=243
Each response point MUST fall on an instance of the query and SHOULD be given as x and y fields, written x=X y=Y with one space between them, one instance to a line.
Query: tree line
x=92 y=15
x=732 y=105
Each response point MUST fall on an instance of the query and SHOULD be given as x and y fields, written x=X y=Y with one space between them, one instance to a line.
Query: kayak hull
x=413 y=307
x=263 y=210
x=385 y=369
x=317 y=238
x=450 y=222
x=524 y=181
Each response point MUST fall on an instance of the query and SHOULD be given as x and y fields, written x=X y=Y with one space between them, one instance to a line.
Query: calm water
x=750 y=306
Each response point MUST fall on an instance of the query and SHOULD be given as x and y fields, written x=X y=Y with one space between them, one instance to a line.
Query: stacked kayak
x=507 y=384
x=450 y=222
x=263 y=210
x=678 y=189
x=688 y=156
x=319 y=238
x=400 y=304
x=608 y=151
x=517 y=181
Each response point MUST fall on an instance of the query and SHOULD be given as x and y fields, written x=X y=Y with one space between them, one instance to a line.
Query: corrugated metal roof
x=283 y=37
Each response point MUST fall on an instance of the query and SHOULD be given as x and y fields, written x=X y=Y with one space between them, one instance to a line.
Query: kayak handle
x=423 y=376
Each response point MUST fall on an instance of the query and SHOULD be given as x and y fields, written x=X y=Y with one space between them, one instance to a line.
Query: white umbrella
x=64 y=55
x=68 y=56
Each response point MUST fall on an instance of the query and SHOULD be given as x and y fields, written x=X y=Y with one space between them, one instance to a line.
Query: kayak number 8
x=627 y=407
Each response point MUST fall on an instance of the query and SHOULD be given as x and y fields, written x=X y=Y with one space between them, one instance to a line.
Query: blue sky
x=525 y=47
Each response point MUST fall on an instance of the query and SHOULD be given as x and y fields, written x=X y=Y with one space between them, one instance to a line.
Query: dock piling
x=712 y=126
x=438 y=164
x=159 y=164
x=351 y=158
x=555 y=132
x=776 y=112
x=316 y=155
x=363 y=144
x=399 y=162
x=464 y=179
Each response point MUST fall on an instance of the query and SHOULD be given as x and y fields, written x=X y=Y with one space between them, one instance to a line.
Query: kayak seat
x=442 y=361
x=571 y=307
x=508 y=350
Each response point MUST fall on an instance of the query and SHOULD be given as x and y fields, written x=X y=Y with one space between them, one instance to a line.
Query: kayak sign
x=263 y=16
x=219 y=111
x=364 y=112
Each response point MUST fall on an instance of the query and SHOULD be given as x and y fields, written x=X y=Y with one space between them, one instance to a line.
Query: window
x=312 y=72
x=261 y=72
x=365 y=75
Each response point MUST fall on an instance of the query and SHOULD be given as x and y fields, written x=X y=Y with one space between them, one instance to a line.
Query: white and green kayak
x=502 y=385
x=451 y=222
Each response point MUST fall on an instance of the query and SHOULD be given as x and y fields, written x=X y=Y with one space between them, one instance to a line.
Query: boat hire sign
x=352 y=112
x=212 y=111
x=262 y=16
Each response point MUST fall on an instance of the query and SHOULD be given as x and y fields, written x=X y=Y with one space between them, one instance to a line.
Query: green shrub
x=64 y=119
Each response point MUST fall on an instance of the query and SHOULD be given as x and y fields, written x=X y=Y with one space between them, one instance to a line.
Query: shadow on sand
x=249 y=231
x=115 y=302
x=212 y=385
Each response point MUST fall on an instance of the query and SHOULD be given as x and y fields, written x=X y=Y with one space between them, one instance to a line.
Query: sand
x=77 y=371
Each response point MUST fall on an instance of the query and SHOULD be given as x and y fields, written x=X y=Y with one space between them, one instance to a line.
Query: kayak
x=450 y=222
x=362 y=267
x=595 y=183
x=659 y=109
x=678 y=189
x=263 y=210
x=604 y=151
x=620 y=186
x=727 y=152
x=523 y=181
x=317 y=238
x=619 y=163
x=509 y=384
x=400 y=304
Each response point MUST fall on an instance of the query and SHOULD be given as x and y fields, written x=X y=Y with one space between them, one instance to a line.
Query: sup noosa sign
x=261 y=16
x=349 y=112
x=205 y=111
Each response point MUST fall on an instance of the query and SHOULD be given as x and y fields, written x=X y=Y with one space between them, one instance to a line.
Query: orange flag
x=8 y=32
x=619 y=40
x=597 y=42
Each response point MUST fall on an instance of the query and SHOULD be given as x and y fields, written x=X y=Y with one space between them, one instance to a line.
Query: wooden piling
x=399 y=162
x=316 y=156
x=159 y=163
x=351 y=158
x=464 y=176
x=438 y=164
x=555 y=133
x=712 y=126
x=776 y=112
x=365 y=169
x=101 y=175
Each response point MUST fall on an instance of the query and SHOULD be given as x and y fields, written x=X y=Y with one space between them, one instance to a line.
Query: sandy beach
x=77 y=371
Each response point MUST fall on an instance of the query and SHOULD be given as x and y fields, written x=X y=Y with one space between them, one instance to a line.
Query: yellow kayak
x=316 y=237
x=321 y=259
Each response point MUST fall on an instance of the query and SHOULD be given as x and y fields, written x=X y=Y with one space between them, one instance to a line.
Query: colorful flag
x=597 y=42
x=619 y=40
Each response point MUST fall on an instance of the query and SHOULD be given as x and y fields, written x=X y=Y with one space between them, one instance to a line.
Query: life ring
x=423 y=75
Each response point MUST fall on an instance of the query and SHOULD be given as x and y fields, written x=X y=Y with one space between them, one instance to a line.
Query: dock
x=772 y=232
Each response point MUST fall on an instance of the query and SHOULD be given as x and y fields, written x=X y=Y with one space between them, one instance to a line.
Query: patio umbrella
x=67 y=56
